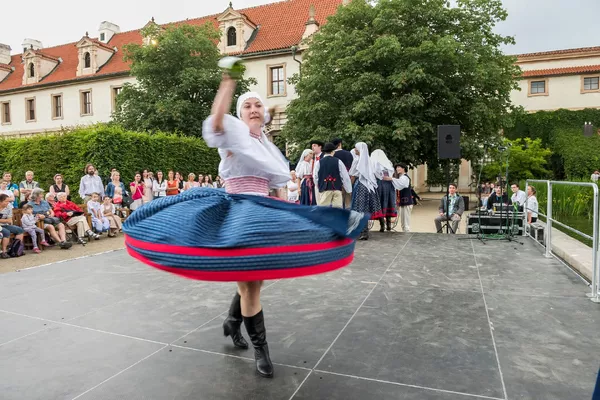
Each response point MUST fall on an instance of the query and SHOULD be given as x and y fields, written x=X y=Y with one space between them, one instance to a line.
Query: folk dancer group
x=330 y=176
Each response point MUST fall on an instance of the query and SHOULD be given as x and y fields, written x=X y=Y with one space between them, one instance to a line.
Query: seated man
x=6 y=225
x=518 y=196
x=456 y=208
x=499 y=199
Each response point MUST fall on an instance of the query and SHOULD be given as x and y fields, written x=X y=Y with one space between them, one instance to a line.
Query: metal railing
x=595 y=290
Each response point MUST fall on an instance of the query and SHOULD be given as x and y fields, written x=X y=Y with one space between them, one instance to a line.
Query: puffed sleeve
x=235 y=135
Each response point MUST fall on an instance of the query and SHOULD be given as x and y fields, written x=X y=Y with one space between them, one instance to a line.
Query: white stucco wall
x=563 y=92
x=258 y=68
x=101 y=107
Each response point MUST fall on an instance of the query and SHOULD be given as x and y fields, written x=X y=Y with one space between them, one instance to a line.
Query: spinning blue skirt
x=208 y=234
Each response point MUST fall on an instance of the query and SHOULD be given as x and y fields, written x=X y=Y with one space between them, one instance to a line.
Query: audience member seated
x=532 y=205
x=6 y=225
x=498 y=199
x=29 y=225
x=12 y=186
x=451 y=209
x=59 y=187
x=43 y=211
x=99 y=222
x=519 y=197
x=27 y=186
x=108 y=209
x=74 y=217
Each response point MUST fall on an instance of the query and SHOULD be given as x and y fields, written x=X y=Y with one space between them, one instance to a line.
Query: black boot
x=381 y=225
x=258 y=336
x=388 y=223
x=233 y=322
x=364 y=235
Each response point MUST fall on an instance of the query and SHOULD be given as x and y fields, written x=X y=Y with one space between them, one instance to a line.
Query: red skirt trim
x=240 y=252
x=244 y=276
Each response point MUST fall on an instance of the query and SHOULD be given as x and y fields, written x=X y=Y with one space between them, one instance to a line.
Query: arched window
x=231 y=36
x=87 y=60
x=31 y=70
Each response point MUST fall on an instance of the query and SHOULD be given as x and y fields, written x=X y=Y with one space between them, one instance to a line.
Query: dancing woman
x=364 y=193
x=305 y=178
x=242 y=235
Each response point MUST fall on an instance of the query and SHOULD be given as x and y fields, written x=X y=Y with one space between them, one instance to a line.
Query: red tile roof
x=586 y=69
x=595 y=49
x=281 y=26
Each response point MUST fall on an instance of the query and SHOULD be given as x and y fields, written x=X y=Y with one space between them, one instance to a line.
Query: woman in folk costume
x=386 y=188
x=305 y=178
x=243 y=235
x=364 y=193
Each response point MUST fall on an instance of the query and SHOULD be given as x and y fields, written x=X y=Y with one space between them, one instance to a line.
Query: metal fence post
x=595 y=294
x=549 y=222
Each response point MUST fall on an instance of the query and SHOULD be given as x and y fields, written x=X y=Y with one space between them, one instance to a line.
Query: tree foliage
x=107 y=147
x=388 y=73
x=527 y=159
x=177 y=80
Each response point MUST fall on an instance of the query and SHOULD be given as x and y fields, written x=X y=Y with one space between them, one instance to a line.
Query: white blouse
x=532 y=206
x=303 y=168
x=242 y=155
x=293 y=195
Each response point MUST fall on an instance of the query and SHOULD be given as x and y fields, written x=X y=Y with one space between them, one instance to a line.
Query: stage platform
x=416 y=316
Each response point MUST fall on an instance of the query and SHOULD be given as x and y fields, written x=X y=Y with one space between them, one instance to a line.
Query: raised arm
x=222 y=103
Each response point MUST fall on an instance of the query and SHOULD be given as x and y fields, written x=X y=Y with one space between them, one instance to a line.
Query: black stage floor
x=416 y=316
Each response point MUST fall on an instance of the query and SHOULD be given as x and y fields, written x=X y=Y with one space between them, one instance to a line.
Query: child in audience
x=99 y=222
x=108 y=209
x=29 y=224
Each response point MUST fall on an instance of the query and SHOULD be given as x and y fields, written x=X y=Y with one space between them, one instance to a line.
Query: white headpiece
x=304 y=154
x=364 y=168
x=378 y=156
x=251 y=95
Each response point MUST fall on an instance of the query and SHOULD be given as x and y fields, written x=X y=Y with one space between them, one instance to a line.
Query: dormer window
x=103 y=37
x=87 y=60
x=31 y=70
x=231 y=36
x=93 y=54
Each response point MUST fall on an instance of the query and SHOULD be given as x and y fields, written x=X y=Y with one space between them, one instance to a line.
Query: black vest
x=406 y=198
x=329 y=174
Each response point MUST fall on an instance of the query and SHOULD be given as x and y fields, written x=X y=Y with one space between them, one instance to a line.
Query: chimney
x=4 y=53
x=31 y=44
x=107 y=30
x=311 y=25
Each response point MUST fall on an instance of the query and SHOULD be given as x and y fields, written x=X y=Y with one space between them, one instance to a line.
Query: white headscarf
x=251 y=95
x=379 y=157
x=303 y=167
x=364 y=167
x=304 y=154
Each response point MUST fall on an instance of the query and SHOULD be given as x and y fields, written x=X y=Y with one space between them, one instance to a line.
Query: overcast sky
x=538 y=25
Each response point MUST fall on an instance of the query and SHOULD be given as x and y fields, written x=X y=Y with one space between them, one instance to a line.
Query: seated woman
x=59 y=187
x=52 y=224
x=74 y=217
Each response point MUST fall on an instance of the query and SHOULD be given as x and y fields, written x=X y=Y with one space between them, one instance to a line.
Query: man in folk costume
x=347 y=158
x=406 y=198
x=317 y=148
x=330 y=176
x=386 y=188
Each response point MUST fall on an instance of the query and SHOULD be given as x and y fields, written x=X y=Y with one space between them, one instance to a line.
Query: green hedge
x=552 y=127
x=107 y=147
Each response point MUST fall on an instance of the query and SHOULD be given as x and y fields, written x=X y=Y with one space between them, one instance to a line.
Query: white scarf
x=363 y=168
x=379 y=157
